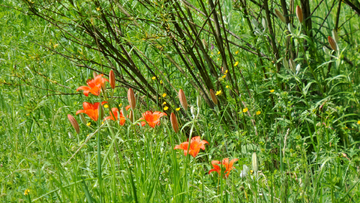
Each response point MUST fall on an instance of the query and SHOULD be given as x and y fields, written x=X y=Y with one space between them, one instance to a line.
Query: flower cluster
x=193 y=147
x=96 y=110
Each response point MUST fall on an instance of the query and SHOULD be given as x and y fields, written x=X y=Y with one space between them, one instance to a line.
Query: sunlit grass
x=307 y=146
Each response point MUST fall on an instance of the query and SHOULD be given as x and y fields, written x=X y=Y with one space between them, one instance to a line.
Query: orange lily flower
x=195 y=145
x=152 y=118
x=115 y=112
x=94 y=85
x=225 y=162
x=91 y=110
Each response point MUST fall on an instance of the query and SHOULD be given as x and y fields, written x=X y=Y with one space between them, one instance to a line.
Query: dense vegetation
x=272 y=90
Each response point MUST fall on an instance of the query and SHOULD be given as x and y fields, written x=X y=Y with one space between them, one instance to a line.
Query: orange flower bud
x=131 y=98
x=299 y=14
x=332 y=43
x=213 y=97
x=280 y=15
x=112 y=79
x=174 y=122
x=74 y=123
x=182 y=99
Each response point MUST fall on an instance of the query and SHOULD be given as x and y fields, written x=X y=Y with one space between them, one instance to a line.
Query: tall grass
x=300 y=118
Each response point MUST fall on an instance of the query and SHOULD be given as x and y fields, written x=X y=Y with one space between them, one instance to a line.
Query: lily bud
x=280 y=15
x=182 y=99
x=292 y=64
x=131 y=98
x=213 y=97
x=264 y=23
x=332 y=43
x=95 y=74
x=205 y=44
x=131 y=116
x=254 y=162
x=82 y=119
x=192 y=111
x=174 y=122
x=299 y=14
x=74 y=123
x=112 y=79
x=198 y=101
x=101 y=112
x=285 y=63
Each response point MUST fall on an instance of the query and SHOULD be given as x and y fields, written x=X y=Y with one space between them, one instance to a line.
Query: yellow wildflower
x=27 y=191
x=224 y=76
x=218 y=52
x=166 y=108
x=102 y=123
x=164 y=95
x=245 y=110
x=272 y=91
x=164 y=103
x=153 y=78
x=258 y=113
x=236 y=63
x=120 y=105
x=56 y=45
x=106 y=106
x=226 y=72
x=178 y=109
x=358 y=122
x=236 y=52
x=98 y=8
x=161 y=82
x=227 y=86
x=88 y=124
x=218 y=92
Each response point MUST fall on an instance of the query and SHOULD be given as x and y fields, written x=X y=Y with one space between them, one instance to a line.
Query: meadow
x=179 y=101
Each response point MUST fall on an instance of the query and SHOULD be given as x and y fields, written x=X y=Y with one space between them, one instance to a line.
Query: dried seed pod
x=280 y=15
x=182 y=99
x=74 y=123
x=213 y=97
x=299 y=14
x=174 y=122
x=332 y=43
x=131 y=98
x=112 y=79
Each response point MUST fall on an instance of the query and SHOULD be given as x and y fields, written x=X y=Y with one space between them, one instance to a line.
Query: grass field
x=293 y=134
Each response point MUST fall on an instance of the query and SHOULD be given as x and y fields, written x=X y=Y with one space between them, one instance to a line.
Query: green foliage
x=283 y=93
